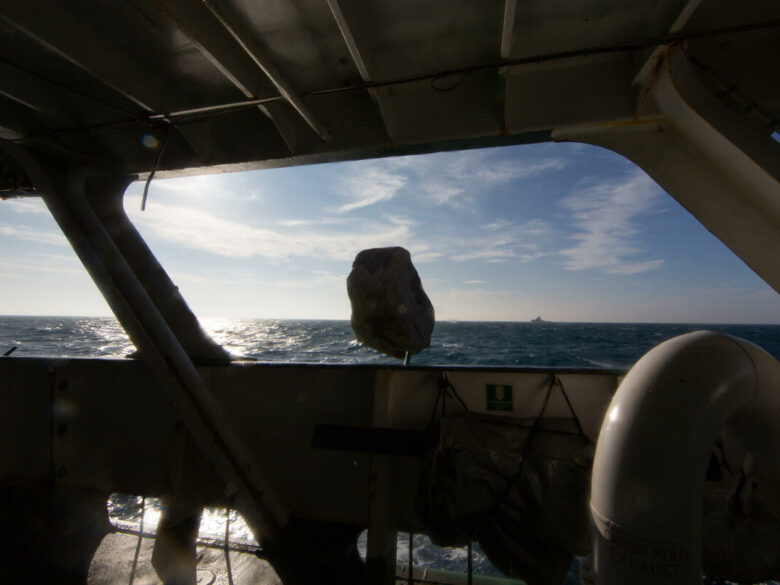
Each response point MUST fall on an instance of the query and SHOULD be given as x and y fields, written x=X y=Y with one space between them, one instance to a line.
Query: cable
x=85 y=95
x=140 y=538
x=154 y=170
x=227 y=548
x=455 y=394
x=444 y=387
x=581 y=432
x=623 y=47
x=436 y=84
x=526 y=451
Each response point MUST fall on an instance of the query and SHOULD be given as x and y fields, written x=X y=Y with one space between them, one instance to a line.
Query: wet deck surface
x=113 y=565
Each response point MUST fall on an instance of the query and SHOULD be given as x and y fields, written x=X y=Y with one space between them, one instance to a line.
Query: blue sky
x=566 y=231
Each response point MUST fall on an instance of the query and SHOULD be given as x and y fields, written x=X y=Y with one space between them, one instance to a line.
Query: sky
x=566 y=231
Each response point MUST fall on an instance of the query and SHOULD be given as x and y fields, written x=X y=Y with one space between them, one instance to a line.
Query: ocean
x=578 y=345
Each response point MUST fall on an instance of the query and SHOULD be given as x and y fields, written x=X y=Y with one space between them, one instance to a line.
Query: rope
x=445 y=389
x=445 y=385
x=154 y=170
x=581 y=432
x=526 y=448
x=227 y=548
x=140 y=538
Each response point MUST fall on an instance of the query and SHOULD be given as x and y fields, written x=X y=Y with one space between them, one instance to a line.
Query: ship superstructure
x=95 y=95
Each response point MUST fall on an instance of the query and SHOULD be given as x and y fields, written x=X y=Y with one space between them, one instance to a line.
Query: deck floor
x=113 y=564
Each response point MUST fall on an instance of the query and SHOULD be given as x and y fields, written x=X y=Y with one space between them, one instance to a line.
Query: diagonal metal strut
x=66 y=192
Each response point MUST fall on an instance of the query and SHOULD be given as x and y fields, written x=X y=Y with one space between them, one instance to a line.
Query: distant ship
x=539 y=320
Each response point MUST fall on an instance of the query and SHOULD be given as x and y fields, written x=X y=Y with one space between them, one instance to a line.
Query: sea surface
x=580 y=345
x=588 y=345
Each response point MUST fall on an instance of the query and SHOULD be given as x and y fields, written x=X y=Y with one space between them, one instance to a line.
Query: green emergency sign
x=499 y=397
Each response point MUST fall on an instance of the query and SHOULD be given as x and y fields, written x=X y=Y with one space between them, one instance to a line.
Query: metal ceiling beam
x=17 y=120
x=247 y=44
x=71 y=39
x=33 y=93
x=510 y=8
x=353 y=44
x=679 y=23
x=684 y=16
x=346 y=19
x=198 y=24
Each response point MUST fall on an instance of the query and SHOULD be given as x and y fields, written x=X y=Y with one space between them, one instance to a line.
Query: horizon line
x=442 y=321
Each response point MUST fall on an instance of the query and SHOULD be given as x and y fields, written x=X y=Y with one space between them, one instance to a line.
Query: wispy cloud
x=504 y=241
x=29 y=234
x=371 y=185
x=322 y=221
x=201 y=187
x=200 y=230
x=15 y=268
x=605 y=217
x=497 y=225
x=179 y=276
x=451 y=178
x=26 y=205
x=459 y=179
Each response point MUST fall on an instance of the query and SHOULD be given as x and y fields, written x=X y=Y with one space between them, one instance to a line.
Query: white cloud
x=311 y=222
x=504 y=241
x=491 y=253
x=199 y=188
x=497 y=225
x=636 y=267
x=371 y=185
x=200 y=230
x=460 y=177
x=29 y=234
x=16 y=268
x=605 y=217
x=178 y=276
x=422 y=253
x=26 y=205
x=451 y=178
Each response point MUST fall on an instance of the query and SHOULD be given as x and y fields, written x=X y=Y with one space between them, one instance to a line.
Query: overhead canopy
x=232 y=84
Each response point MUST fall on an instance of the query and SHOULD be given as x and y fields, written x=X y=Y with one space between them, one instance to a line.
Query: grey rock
x=390 y=310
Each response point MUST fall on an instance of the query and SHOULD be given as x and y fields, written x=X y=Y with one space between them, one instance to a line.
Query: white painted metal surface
x=653 y=449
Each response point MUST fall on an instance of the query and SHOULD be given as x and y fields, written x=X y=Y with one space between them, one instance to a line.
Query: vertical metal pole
x=140 y=539
x=382 y=540
x=228 y=566
x=410 y=576
x=470 y=566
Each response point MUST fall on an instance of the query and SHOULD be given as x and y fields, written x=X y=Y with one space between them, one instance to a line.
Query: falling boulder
x=390 y=310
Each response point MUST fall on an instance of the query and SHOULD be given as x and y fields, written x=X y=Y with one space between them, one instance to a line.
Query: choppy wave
x=599 y=345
